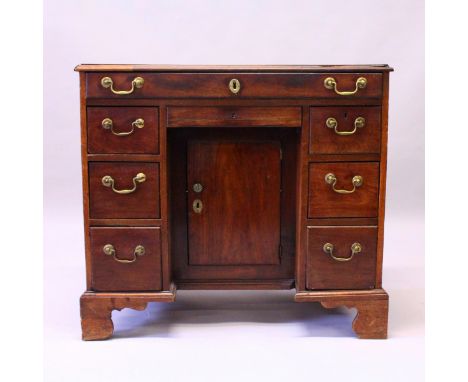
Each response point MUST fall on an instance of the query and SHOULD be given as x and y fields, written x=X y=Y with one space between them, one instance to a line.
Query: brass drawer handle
x=108 y=181
x=107 y=124
x=109 y=249
x=234 y=86
x=330 y=178
x=330 y=83
x=355 y=248
x=107 y=82
x=332 y=123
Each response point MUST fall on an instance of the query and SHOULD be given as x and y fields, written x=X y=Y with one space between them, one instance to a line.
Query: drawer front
x=232 y=116
x=220 y=85
x=123 y=130
x=125 y=259
x=344 y=130
x=117 y=191
x=335 y=190
x=341 y=257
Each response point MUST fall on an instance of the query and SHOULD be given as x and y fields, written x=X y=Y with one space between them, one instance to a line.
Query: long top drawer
x=233 y=85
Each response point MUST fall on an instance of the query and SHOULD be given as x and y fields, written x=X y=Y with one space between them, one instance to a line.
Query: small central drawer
x=232 y=116
x=123 y=190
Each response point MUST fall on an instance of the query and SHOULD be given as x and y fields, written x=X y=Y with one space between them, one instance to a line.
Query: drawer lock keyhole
x=234 y=86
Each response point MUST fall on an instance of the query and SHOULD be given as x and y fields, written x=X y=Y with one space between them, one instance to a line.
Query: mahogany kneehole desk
x=234 y=177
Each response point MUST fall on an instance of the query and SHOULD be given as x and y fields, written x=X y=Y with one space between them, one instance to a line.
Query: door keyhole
x=197 y=206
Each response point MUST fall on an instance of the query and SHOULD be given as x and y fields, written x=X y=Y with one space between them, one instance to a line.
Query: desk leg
x=96 y=310
x=372 y=308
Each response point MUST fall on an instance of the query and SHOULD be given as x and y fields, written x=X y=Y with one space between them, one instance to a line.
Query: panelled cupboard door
x=124 y=190
x=125 y=259
x=343 y=189
x=234 y=202
x=341 y=257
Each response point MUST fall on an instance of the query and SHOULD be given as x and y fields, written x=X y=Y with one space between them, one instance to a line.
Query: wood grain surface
x=240 y=219
x=324 y=202
x=110 y=275
x=216 y=85
x=141 y=204
x=142 y=141
x=323 y=272
x=324 y=140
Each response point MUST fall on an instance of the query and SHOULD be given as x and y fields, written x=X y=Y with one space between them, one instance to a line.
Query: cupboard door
x=233 y=202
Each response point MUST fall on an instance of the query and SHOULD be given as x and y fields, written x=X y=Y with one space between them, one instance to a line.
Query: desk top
x=231 y=68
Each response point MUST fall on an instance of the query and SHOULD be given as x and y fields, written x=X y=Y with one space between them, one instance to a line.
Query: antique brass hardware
x=107 y=124
x=330 y=83
x=197 y=187
x=106 y=82
x=109 y=249
x=234 y=86
x=355 y=248
x=197 y=206
x=108 y=181
x=332 y=123
x=330 y=178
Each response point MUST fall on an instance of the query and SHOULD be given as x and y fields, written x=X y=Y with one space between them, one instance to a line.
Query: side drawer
x=220 y=85
x=233 y=116
x=125 y=259
x=123 y=130
x=341 y=257
x=123 y=190
x=343 y=189
x=344 y=130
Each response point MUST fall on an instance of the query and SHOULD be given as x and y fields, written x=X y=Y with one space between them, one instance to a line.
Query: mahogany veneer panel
x=323 y=272
x=111 y=275
x=143 y=203
x=324 y=140
x=143 y=140
x=216 y=85
x=240 y=219
x=324 y=202
x=233 y=116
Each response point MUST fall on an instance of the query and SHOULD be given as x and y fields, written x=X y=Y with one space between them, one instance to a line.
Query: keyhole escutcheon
x=234 y=86
x=197 y=206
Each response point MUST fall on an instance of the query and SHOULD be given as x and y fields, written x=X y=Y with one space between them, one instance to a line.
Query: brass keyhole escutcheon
x=197 y=206
x=197 y=187
x=234 y=86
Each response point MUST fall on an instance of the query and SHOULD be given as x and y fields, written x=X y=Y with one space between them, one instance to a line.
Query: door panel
x=238 y=217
